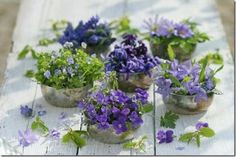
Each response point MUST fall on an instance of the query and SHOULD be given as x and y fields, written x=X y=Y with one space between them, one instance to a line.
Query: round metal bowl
x=109 y=136
x=161 y=52
x=64 y=97
x=183 y=104
x=135 y=80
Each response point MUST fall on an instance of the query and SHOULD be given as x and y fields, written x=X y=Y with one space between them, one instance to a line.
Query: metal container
x=135 y=80
x=64 y=97
x=161 y=51
x=184 y=104
x=109 y=136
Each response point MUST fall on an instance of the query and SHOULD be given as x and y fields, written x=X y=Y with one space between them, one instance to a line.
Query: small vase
x=109 y=136
x=185 y=104
x=160 y=50
x=133 y=81
x=99 y=51
x=64 y=97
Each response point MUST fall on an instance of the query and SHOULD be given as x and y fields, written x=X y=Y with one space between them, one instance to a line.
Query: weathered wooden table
x=33 y=23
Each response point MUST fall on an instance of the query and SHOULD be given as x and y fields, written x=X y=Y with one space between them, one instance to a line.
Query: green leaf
x=202 y=73
x=66 y=138
x=147 y=108
x=24 y=52
x=29 y=73
x=170 y=52
x=169 y=120
x=78 y=140
x=34 y=126
x=187 y=137
x=34 y=54
x=46 y=41
x=174 y=80
x=217 y=70
x=137 y=144
x=197 y=137
x=206 y=132
x=39 y=124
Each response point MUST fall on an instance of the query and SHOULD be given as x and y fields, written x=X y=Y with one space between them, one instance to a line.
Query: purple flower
x=183 y=30
x=57 y=72
x=26 y=111
x=164 y=86
x=94 y=39
x=200 y=125
x=71 y=71
x=165 y=137
x=103 y=124
x=55 y=134
x=47 y=74
x=27 y=138
x=119 y=126
x=42 y=113
x=135 y=119
x=70 y=60
x=165 y=27
x=125 y=111
x=141 y=95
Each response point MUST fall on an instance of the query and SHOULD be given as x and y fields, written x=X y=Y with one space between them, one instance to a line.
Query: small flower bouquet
x=169 y=39
x=65 y=77
x=187 y=88
x=112 y=116
x=132 y=63
x=95 y=36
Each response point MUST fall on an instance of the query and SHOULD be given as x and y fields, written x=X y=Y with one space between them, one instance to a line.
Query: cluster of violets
x=168 y=135
x=162 y=27
x=131 y=57
x=92 y=33
x=187 y=73
x=114 y=109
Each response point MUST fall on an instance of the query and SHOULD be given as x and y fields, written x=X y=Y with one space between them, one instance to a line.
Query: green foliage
x=39 y=124
x=46 y=41
x=171 y=53
x=197 y=135
x=76 y=136
x=86 y=69
x=146 y=108
x=169 y=120
x=59 y=24
x=138 y=144
x=122 y=26
x=203 y=71
x=27 y=49
x=29 y=73
x=212 y=58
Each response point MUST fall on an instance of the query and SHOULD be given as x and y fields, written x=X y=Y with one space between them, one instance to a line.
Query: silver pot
x=64 y=97
x=160 y=50
x=184 y=104
x=109 y=136
x=135 y=80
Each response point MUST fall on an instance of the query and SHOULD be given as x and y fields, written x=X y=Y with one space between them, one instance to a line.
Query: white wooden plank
x=220 y=114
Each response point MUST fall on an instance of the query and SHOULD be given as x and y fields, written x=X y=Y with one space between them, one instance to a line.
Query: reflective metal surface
x=161 y=52
x=135 y=80
x=109 y=136
x=182 y=104
x=64 y=97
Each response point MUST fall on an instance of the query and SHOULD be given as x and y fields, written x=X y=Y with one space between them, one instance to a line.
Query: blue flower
x=27 y=137
x=26 y=111
x=135 y=119
x=200 y=125
x=57 y=72
x=165 y=137
x=47 y=74
x=70 y=60
x=141 y=95
x=42 y=113
x=119 y=126
x=164 y=86
x=94 y=39
x=183 y=30
x=55 y=134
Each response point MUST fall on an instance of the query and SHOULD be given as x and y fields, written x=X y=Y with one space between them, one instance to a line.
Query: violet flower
x=200 y=125
x=27 y=137
x=42 y=113
x=47 y=74
x=165 y=136
x=55 y=134
x=26 y=111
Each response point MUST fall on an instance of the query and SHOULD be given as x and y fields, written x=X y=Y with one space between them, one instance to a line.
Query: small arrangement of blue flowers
x=188 y=78
x=131 y=57
x=112 y=108
x=95 y=35
x=169 y=39
x=64 y=69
